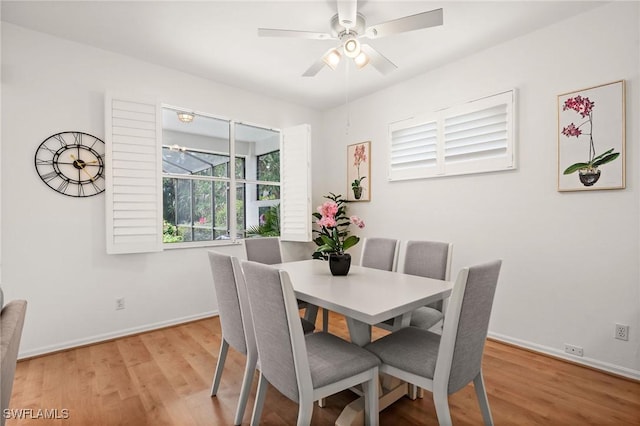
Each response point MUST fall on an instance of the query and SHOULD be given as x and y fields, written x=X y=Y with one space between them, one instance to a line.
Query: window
x=156 y=172
x=471 y=138
x=198 y=179
x=268 y=169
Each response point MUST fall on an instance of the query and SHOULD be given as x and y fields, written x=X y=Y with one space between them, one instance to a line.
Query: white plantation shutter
x=133 y=159
x=475 y=137
x=295 y=183
x=414 y=150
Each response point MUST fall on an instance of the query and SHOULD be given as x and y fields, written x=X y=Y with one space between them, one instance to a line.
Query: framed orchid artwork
x=359 y=171
x=591 y=138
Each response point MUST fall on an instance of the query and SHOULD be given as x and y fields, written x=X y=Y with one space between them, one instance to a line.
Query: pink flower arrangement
x=334 y=225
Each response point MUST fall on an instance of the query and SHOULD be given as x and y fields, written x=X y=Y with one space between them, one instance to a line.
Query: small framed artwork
x=359 y=171
x=591 y=138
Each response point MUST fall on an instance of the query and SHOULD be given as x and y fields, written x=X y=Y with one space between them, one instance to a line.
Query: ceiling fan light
x=361 y=60
x=332 y=58
x=185 y=117
x=351 y=47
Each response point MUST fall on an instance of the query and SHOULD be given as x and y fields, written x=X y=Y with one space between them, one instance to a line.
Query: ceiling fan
x=348 y=27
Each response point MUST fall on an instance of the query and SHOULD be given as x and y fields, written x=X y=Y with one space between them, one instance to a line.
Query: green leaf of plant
x=607 y=159
x=350 y=242
x=575 y=167
x=601 y=155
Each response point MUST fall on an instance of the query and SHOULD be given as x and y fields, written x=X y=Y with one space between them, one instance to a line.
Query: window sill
x=199 y=244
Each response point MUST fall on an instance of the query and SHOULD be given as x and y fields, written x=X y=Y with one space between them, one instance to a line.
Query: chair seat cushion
x=425 y=317
x=411 y=349
x=332 y=359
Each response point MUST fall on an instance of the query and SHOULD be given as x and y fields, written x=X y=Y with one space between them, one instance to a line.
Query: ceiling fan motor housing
x=338 y=31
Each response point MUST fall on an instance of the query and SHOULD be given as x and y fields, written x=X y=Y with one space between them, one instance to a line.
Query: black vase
x=339 y=263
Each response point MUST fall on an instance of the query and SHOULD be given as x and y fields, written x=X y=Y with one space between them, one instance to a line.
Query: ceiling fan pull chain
x=346 y=97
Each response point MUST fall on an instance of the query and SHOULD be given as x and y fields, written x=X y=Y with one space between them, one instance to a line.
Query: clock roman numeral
x=96 y=187
x=60 y=139
x=49 y=176
x=63 y=186
x=80 y=191
x=40 y=162
x=77 y=137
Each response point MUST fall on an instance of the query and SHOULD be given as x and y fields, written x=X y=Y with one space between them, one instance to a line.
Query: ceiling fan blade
x=419 y=21
x=272 y=32
x=347 y=13
x=378 y=60
x=314 y=69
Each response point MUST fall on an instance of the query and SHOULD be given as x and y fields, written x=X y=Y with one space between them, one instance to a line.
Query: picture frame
x=359 y=171
x=591 y=138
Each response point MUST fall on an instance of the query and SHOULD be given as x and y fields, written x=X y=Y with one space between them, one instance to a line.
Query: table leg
x=391 y=388
x=359 y=332
x=353 y=414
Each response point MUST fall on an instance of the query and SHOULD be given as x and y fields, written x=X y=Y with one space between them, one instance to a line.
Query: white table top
x=365 y=294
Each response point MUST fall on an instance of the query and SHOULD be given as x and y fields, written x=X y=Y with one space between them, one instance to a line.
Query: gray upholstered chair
x=267 y=250
x=237 y=331
x=444 y=364
x=263 y=250
x=11 y=323
x=380 y=253
x=304 y=368
x=430 y=259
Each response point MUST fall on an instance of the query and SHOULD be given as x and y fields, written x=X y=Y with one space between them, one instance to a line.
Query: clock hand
x=88 y=174
x=73 y=157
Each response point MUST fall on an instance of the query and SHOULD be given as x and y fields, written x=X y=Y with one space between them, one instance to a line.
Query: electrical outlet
x=119 y=303
x=622 y=332
x=573 y=350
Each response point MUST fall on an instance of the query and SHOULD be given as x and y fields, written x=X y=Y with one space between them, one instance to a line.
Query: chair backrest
x=263 y=250
x=278 y=330
x=224 y=281
x=380 y=253
x=430 y=259
x=466 y=325
x=11 y=324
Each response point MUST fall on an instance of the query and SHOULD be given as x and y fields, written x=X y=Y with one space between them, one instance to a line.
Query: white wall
x=53 y=246
x=570 y=266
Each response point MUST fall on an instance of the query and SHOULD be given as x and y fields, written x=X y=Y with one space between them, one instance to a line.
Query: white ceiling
x=218 y=40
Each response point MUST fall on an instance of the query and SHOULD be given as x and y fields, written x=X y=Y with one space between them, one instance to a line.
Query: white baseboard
x=586 y=361
x=113 y=335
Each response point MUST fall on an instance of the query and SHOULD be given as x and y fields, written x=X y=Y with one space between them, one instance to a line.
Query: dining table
x=366 y=297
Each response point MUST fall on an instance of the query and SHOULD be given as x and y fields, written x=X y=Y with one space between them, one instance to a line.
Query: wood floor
x=164 y=377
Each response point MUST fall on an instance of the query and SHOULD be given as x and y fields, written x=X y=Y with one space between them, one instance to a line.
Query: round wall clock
x=72 y=163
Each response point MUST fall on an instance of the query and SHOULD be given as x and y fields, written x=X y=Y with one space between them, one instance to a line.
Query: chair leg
x=481 y=393
x=371 y=409
x=441 y=401
x=249 y=369
x=305 y=412
x=222 y=356
x=325 y=320
x=261 y=393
